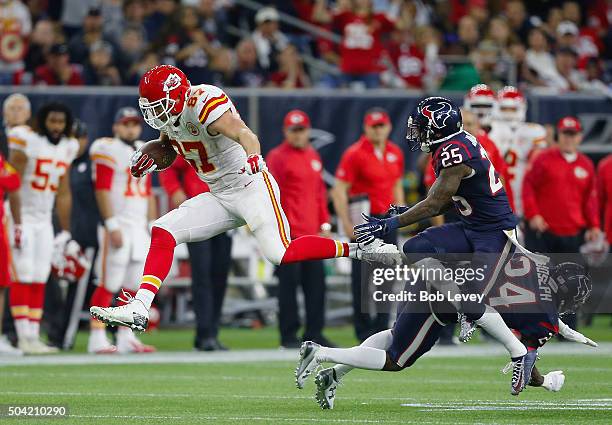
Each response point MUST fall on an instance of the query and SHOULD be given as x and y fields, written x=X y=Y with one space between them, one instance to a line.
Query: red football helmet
x=163 y=92
x=481 y=100
x=511 y=105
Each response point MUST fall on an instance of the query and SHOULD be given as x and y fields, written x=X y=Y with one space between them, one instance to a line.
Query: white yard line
x=241 y=356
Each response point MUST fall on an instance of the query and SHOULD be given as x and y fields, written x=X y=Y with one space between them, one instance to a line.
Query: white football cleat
x=553 y=381
x=326 y=388
x=35 y=346
x=7 y=349
x=307 y=363
x=378 y=251
x=133 y=315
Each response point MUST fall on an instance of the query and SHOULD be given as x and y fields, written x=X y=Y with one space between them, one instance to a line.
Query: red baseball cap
x=296 y=119
x=376 y=117
x=569 y=124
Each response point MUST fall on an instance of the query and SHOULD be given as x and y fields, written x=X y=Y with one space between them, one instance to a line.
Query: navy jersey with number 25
x=481 y=199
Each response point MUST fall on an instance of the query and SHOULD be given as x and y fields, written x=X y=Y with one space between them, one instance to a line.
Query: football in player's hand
x=160 y=151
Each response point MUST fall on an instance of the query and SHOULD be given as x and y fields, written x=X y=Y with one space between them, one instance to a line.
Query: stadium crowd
x=554 y=46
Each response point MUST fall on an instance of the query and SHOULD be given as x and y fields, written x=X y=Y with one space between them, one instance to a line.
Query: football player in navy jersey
x=465 y=179
x=529 y=295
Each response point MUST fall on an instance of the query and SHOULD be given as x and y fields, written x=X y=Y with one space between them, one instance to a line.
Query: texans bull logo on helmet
x=439 y=115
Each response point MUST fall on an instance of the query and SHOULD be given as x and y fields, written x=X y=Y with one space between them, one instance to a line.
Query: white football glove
x=574 y=336
x=254 y=164
x=141 y=164
x=19 y=239
x=60 y=241
x=553 y=381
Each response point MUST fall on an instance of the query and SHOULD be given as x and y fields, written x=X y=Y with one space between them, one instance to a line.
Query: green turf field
x=436 y=390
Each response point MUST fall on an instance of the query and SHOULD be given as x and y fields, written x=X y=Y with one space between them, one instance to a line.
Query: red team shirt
x=9 y=181
x=370 y=174
x=562 y=192
x=183 y=176
x=361 y=49
x=409 y=61
x=604 y=189
x=299 y=173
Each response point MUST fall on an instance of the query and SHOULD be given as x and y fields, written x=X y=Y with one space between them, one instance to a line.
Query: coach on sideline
x=298 y=170
x=210 y=259
x=373 y=166
x=560 y=195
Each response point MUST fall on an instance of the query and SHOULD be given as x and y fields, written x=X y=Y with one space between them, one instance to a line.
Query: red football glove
x=254 y=164
x=142 y=164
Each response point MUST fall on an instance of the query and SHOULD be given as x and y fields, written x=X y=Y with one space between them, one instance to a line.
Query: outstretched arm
x=439 y=198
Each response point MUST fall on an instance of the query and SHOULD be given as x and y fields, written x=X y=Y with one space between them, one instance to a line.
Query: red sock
x=314 y=248
x=101 y=297
x=37 y=300
x=132 y=293
x=159 y=259
x=19 y=299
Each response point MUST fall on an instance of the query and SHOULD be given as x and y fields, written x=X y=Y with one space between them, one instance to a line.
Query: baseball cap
x=569 y=125
x=376 y=117
x=59 y=49
x=567 y=27
x=296 y=119
x=126 y=114
x=266 y=14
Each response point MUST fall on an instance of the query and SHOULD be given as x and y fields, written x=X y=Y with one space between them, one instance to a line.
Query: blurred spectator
x=213 y=21
x=362 y=31
x=517 y=18
x=568 y=35
x=80 y=44
x=194 y=49
x=132 y=47
x=553 y=19
x=468 y=37
x=491 y=65
x=299 y=171
x=373 y=168
x=568 y=78
x=149 y=60
x=499 y=33
x=593 y=74
x=163 y=10
x=100 y=70
x=43 y=37
x=133 y=17
x=15 y=27
x=73 y=14
x=269 y=41
x=414 y=58
x=58 y=70
x=290 y=74
x=247 y=72
x=540 y=63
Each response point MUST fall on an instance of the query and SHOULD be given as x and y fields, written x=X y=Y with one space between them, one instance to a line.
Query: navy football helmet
x=434 y=120
x=573 y=286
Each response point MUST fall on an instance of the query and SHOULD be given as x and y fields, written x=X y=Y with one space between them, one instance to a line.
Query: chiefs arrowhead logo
x=172 y=82
x=439 y=115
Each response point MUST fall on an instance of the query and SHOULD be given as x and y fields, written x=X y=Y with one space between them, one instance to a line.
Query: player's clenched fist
x=141 y=164
x=254 y=164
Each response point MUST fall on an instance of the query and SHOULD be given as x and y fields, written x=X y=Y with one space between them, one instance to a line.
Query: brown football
x=162 y=153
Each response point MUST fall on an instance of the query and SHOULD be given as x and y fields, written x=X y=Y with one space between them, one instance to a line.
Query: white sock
x=35 y=329
x=97 y=334
x=146 y=297
x=22 y=327
x=493 y=323
x=381 y=340
x=360 y=357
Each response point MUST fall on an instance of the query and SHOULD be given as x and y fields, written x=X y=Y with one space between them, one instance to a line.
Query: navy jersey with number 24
x=481 y=199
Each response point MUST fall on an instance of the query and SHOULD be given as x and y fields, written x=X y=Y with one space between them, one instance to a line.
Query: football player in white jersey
x=126 y=206
x=204 y=127
x=516 y=139
x=42 y=158
x=481 y=101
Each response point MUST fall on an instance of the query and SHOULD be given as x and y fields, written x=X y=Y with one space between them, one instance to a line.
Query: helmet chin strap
x=428 y=145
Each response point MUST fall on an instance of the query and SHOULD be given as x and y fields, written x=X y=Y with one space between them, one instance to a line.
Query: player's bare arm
x=63 y=202
x=437 y=201
x=103 y=199
x=340 y=198
x=231 y=125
